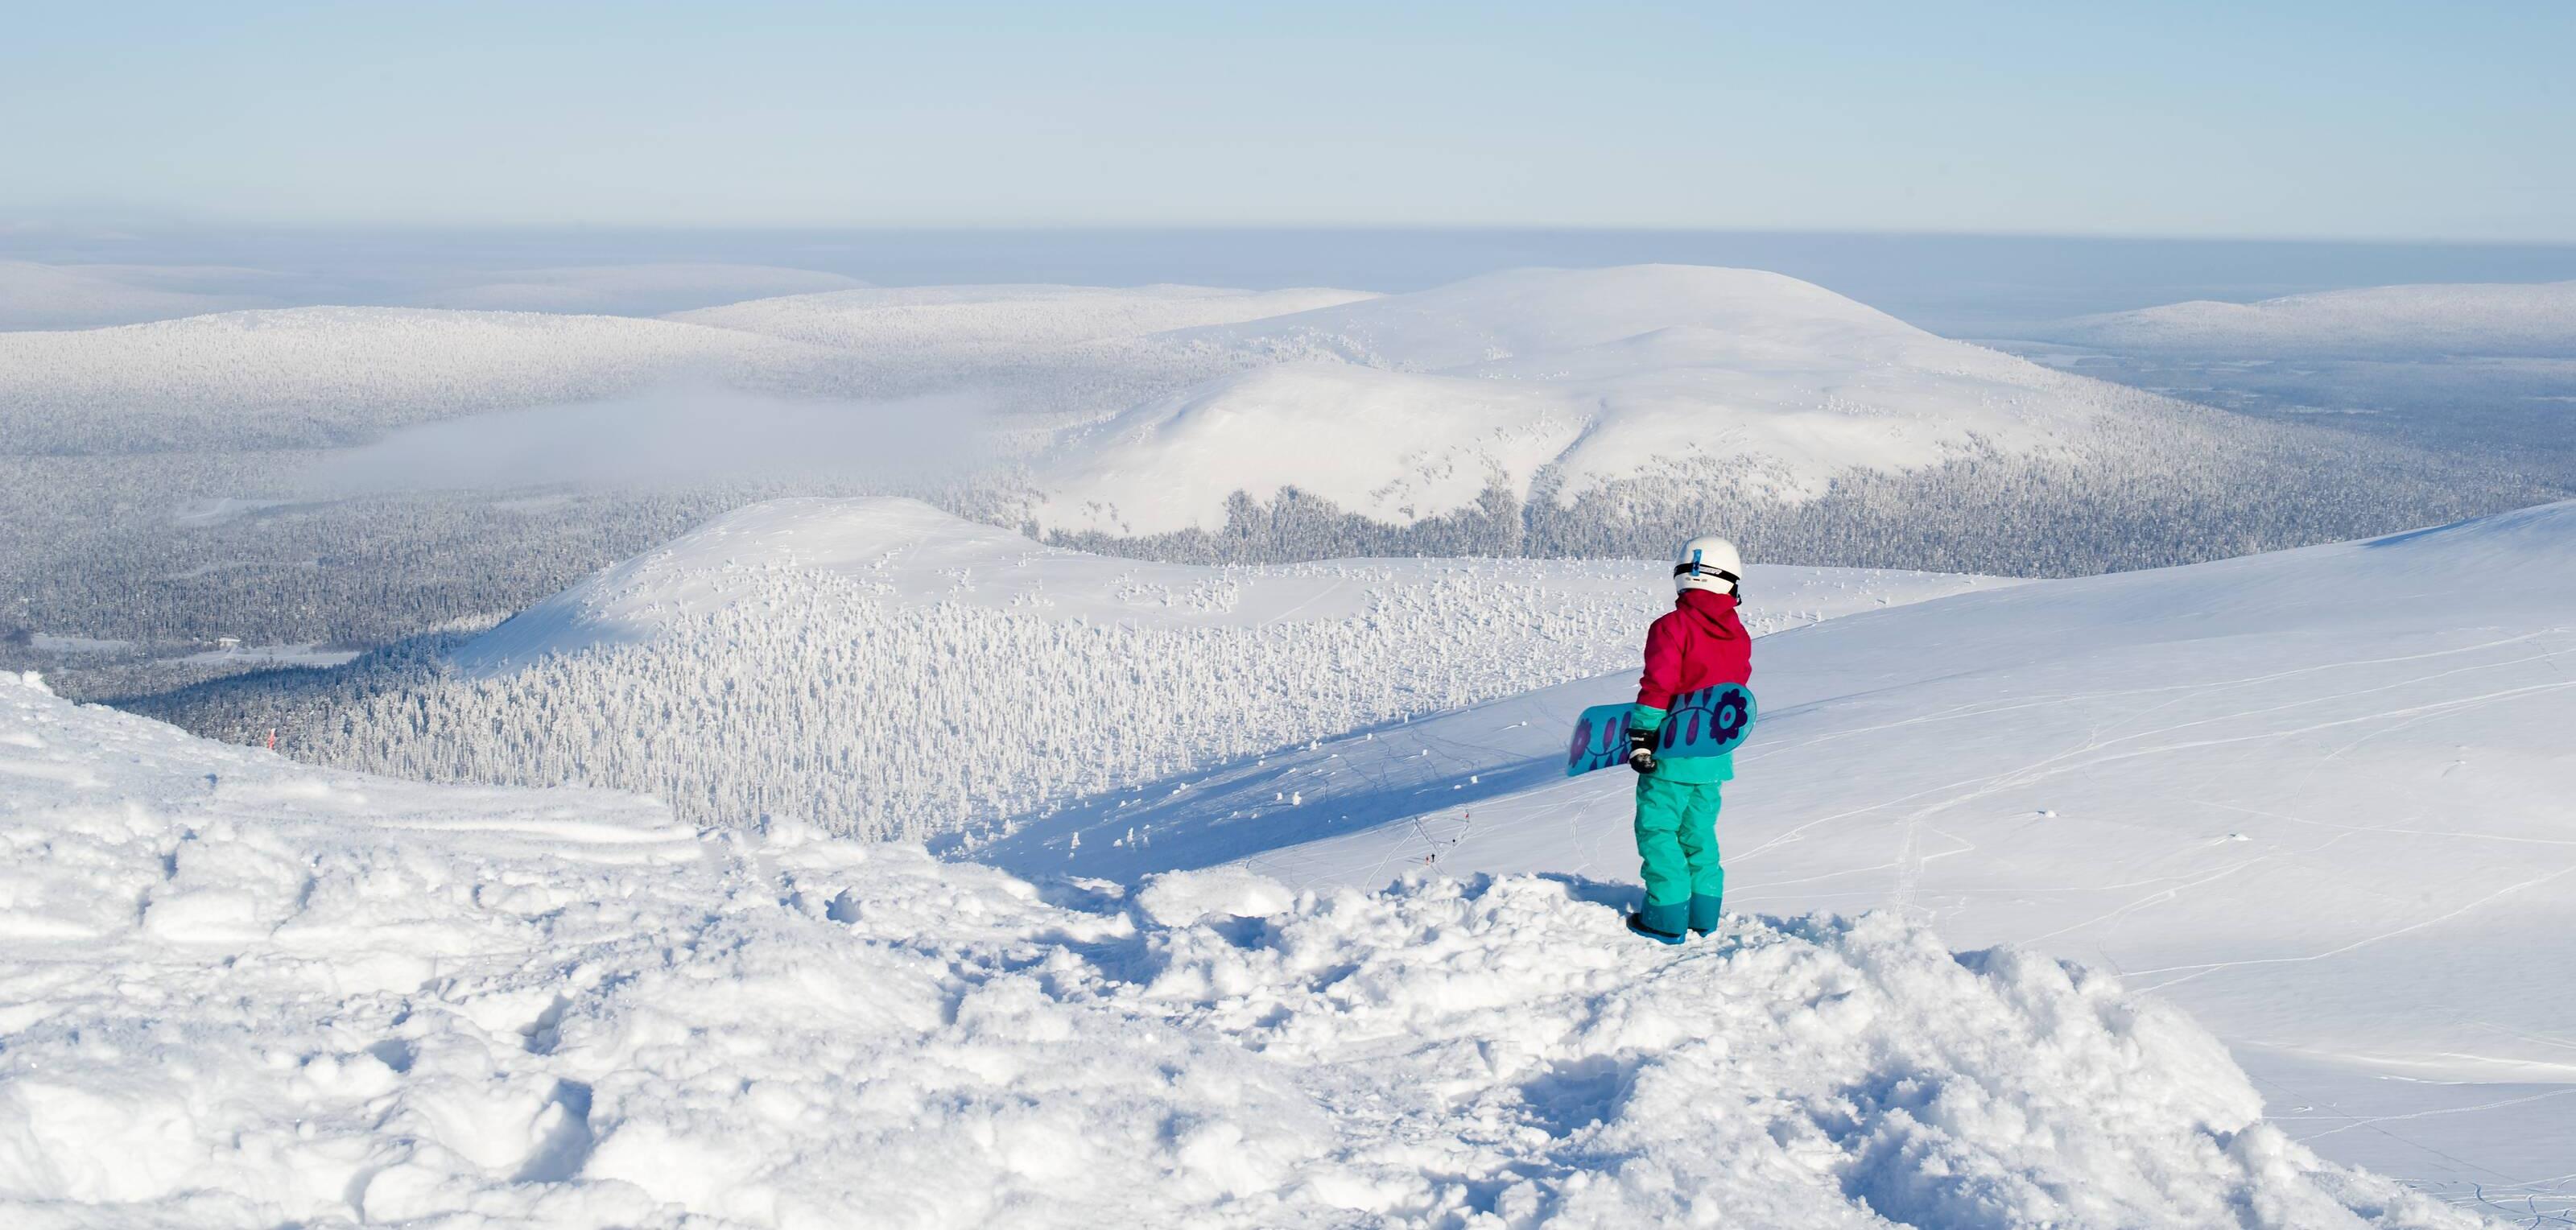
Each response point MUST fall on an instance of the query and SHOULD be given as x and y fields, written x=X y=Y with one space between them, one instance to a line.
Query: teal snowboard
x=1708 y=722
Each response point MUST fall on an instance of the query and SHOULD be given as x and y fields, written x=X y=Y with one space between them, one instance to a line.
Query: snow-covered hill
x=40 y=296
x=249 y=377
x=2529 y=320
x=276 y=375
x=2319 y=797
x=883 y=668
x=926 y=324
x=241 y=992
x=1044 y=356
x=627 y=290
x=1408 y=406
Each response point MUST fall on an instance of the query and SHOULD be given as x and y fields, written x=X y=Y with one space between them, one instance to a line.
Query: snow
x=883 y=668
x=260 y=374
x=2316 y=797
x=38 y=296
x=244 y=992
x=1408 y=406
x=78 y=296
x=905 y=551
x=2533 y=320
x=630 y=290
x=911 y=554
x=375 y=363
x=48 y=642
x=951 y=324
x=272 y=655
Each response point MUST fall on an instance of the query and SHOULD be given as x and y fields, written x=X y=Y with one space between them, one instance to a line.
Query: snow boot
x=1660 y=923
x=1704 y=915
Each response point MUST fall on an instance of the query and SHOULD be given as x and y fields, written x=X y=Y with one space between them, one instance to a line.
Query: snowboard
x=1708 y=722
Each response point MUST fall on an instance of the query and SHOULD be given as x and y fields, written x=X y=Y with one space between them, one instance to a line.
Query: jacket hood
x=1710 y=610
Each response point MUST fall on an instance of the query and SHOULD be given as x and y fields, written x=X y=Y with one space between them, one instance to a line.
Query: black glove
x=1641 y=750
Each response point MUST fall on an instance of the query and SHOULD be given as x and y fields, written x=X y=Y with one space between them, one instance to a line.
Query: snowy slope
x=2318 y=797
x=240 y=992
x=884 y=668
x=2535 y=320
x=1404 y=407
x=235 y=372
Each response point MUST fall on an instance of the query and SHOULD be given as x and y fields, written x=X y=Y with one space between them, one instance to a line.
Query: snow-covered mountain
x=242 y=992
x=2319 y=797
x=880 y=667
x=2500 y=319
x=1409 y=406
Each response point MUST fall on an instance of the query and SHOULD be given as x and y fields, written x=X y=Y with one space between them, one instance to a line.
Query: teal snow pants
x=1677 y=839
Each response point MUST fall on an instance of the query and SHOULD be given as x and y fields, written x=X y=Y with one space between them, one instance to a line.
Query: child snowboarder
x=1699 y=644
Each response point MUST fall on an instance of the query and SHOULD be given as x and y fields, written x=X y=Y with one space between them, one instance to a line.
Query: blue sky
x=2357 y=119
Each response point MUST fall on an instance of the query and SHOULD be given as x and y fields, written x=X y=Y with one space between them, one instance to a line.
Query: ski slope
x=886 y=669
x=2318 y=797
x=1408 y=406
x=243 y=992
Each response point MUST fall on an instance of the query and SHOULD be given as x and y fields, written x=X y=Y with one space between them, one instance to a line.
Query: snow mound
x=2533 y=320
x=242 y=992
x=362 y=367
x=1409 y=406
x=951 y=324
x=631 y=290
x=880 y=667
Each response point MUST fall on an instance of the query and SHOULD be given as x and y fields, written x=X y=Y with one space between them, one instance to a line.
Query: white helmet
x=1707 y=562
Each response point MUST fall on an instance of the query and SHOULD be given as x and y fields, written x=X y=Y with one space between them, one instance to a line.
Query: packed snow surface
x=2319 y=797
x=241 y=992
x=1408 y=406
x=2536 y=320
x=884 y=668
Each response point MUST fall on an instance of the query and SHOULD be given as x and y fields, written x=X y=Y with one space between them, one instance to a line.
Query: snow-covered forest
x=893 y=672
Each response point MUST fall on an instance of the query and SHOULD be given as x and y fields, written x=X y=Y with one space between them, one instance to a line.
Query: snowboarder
x=1698 y=644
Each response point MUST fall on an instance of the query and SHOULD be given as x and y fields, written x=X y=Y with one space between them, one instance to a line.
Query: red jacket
x=1699 y=644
